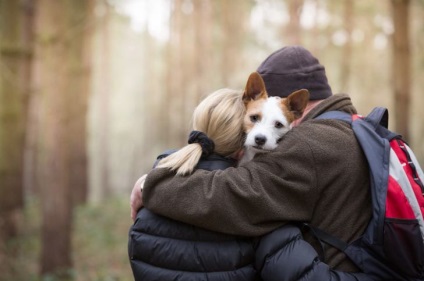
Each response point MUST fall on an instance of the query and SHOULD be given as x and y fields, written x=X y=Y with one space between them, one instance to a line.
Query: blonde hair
x=220 y=117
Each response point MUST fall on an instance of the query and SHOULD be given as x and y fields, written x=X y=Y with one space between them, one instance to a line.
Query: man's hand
x=136 y=200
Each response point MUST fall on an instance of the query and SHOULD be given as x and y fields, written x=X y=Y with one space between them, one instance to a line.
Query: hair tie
x=201 y=138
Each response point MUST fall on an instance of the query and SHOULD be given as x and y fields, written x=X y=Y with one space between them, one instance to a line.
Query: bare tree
x=347 y=48
x=15 y=57
x=401 y=66
x=61 y=27
x=293 y=31
x=176 y=69
x=100 y=177
x=15 y=60
x=78 y=40
x=203 y=33
x=232 y=41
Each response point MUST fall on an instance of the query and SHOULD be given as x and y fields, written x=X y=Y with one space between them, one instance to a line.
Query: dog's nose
x=260 y=139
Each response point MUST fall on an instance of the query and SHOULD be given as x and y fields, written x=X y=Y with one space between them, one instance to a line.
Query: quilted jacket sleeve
x=163 y=249
x=284 y=255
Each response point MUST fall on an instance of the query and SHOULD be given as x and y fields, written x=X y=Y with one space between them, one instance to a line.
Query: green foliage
x=99 y=243
x=21 y=254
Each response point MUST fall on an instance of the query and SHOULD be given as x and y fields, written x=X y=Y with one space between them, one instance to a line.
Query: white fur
x=271 y=113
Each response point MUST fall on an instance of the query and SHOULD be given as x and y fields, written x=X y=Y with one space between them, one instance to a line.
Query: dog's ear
x=255 y=88
x=297 y=101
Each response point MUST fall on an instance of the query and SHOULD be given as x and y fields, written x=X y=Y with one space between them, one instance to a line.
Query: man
x=317 y=174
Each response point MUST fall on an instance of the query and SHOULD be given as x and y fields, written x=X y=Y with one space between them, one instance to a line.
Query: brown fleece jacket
x=317 y=174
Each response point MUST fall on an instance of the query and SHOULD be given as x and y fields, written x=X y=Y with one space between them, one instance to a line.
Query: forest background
x=92 y=90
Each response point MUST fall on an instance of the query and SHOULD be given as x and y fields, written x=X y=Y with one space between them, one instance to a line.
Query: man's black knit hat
x=292 y=68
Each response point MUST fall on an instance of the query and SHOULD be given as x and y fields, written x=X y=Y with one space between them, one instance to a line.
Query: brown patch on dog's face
x=253 y=113
x=254 y=97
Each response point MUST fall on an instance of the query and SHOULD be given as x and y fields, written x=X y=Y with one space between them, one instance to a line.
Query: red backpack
x=392 y=246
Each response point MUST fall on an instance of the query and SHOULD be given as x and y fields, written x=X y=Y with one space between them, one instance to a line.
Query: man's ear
x=255 y=88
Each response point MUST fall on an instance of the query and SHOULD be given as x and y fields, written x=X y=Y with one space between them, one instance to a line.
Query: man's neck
x=309 y=107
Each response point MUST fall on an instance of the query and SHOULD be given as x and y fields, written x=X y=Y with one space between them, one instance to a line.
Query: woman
x=163 y=249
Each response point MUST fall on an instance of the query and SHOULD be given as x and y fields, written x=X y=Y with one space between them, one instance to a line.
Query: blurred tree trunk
x=401 y=66
x=100 y=185
x=149 y=99
x=230 y=33
x=30 y=153
x=78 y=40
x=347 y=48
x=315 y=33
x=187 y=57
x=294 y=30
x=60 y=36
x=15 y=60
x=175 y=74
x=232 y=40
x=203 y=42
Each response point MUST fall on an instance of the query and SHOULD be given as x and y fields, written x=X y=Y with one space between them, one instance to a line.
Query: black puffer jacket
x=283 y=255
x=163 y=249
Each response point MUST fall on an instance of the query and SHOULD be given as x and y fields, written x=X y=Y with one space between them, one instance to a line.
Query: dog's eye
x=254 y=118
x=278 y=125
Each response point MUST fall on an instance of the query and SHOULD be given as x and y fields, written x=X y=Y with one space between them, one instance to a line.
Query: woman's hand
x=136 y=200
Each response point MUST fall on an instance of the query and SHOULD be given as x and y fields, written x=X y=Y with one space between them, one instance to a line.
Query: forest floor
x=99 y=242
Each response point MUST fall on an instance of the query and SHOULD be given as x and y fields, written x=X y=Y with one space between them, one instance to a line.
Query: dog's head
x=268 y=118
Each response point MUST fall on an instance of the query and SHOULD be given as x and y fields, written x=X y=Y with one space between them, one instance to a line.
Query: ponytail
x=185 y=159
x=218 y=121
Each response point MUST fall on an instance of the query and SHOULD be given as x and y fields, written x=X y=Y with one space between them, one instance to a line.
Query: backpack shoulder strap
x=378 y=116
x=339 y=115
x=376 y=150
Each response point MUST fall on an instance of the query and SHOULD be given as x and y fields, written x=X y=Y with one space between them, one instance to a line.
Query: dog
x=268 y=119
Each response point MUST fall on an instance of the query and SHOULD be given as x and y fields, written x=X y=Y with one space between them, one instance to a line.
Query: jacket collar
x=340 y=102
x=216 y=162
